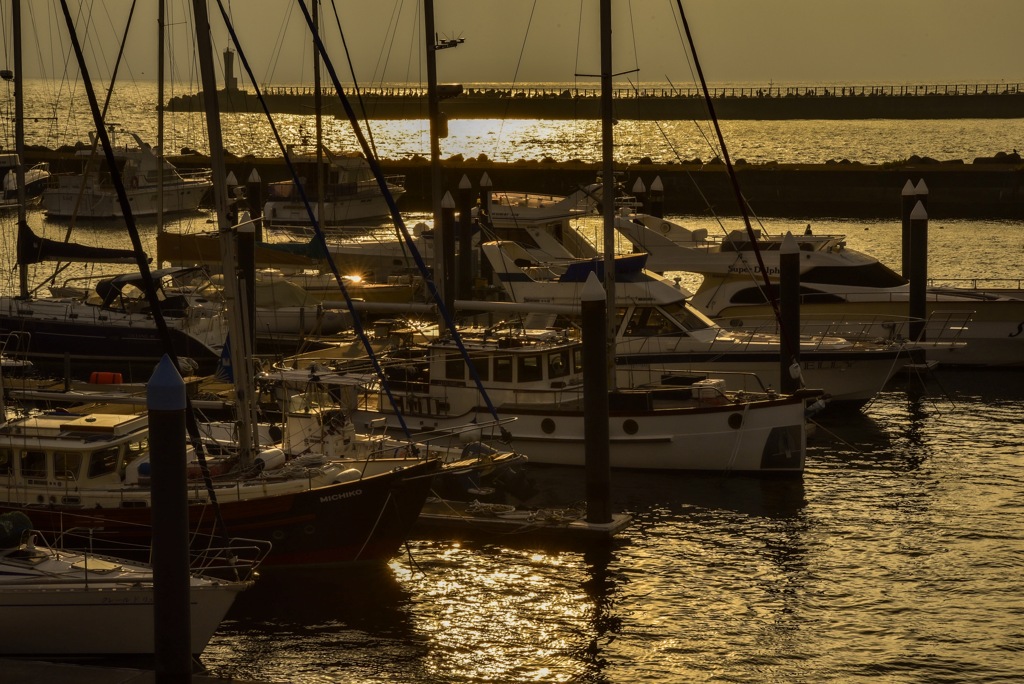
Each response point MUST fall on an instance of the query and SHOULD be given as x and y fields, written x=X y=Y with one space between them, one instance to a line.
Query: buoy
x=105 y=378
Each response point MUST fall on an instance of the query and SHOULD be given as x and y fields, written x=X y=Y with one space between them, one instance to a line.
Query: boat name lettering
x=822 y=365
x=1020 y=329
x=340 y=495
x=771 y=270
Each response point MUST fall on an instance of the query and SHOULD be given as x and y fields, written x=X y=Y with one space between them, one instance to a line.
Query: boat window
x=558 y=364
x=503 y=368
x=132 y=451
x=454 y=367
x=868 y=275
x=647 y=321
x=755 y=295
x=33 y=464
x=689 y=318
x=530 y=368
x=103 y=462
x=481 y=366
x=6 y=463
x=66 y=465
x=577 y=360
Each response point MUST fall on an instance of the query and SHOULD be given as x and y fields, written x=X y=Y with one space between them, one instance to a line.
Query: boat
x=108 y=325
x=71 y=468
x=350 y=192
x=660 y=332
x=36 y=180
x=64 y=603
x=90 y=193
x=837 y=284
x=536 y=378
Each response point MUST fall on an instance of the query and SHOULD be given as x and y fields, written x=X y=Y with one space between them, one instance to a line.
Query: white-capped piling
x=789 y=315
x=657 y=198
x=908 y=198
x=447 y=246
x=640 y=193
x=254 y=198
x=464 y=270
x=593 y=310
x=918 y=271
x=166 y=402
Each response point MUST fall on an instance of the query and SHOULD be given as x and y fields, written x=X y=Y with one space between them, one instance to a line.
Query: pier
x=924 y=101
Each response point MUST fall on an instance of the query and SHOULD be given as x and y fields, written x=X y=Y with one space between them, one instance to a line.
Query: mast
x=161 y=9
x=434 y=115
x=241 y=342
x=318 y=108
x=608 y=184
x=19 y=139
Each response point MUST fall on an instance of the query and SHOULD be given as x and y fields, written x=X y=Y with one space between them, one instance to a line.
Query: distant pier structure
x=942 y=101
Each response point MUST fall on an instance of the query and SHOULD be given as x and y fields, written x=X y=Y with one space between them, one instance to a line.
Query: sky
x=737 y=41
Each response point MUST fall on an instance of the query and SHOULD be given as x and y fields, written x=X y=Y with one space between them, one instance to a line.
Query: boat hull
x=101 y=618
x=359 y=521
x=759 y=437
x=53 y=341
x=103 y=203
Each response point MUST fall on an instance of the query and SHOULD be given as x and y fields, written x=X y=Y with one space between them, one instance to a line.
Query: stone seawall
x=991 y=189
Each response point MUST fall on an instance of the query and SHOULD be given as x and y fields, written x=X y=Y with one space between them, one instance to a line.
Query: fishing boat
x=837 y=284
x=64 y=603
x=660 y=332
x=91 y=194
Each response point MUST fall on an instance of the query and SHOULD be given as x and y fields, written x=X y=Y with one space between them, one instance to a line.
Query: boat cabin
x=61 y=452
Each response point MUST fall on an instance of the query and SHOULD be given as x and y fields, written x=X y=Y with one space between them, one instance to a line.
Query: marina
x=508 y=449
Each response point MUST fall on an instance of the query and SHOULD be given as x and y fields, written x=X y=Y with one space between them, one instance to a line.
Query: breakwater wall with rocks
x=952 y=101
x=990 y=187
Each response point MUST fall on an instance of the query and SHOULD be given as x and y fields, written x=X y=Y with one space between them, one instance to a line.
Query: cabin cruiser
x=350 y=193
x=837 y=285
x=660 y=332
x=91 y=194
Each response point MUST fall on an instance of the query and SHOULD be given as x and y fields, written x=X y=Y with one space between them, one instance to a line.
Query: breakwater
x=947 y=101
x=990 y=188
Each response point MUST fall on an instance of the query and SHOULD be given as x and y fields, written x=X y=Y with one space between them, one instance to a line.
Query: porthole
x=736 y=421
x=630 y=427
x=547 y=425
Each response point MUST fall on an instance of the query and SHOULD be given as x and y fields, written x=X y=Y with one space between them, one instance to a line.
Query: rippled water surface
x=897 y=558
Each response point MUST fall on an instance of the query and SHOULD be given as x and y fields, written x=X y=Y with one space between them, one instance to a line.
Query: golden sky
x=749 y=41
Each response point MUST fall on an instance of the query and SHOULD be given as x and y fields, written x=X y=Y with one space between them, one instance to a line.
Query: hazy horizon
x=790 y=42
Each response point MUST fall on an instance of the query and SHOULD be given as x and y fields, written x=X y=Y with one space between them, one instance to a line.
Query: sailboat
x=314 y=514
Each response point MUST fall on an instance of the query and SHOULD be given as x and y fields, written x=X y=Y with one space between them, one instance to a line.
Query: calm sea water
x=896 y=558
x=878 y=141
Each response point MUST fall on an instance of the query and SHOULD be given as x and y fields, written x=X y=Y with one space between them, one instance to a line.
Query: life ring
x=665 y=227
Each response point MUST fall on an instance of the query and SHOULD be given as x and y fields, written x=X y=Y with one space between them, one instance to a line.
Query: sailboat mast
x=608 y=183
x=161 y=9
x=19 y=138
x=318 y=108
x=434 y=114
x=241 y=341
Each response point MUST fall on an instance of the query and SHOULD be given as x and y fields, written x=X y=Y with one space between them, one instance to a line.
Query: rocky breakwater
x=986 y=188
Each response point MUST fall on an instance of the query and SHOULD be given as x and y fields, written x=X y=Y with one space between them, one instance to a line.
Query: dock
x=560 y=524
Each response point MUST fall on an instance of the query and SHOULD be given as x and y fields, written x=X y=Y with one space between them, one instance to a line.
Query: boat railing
x=747 y=382
x=980 y=284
